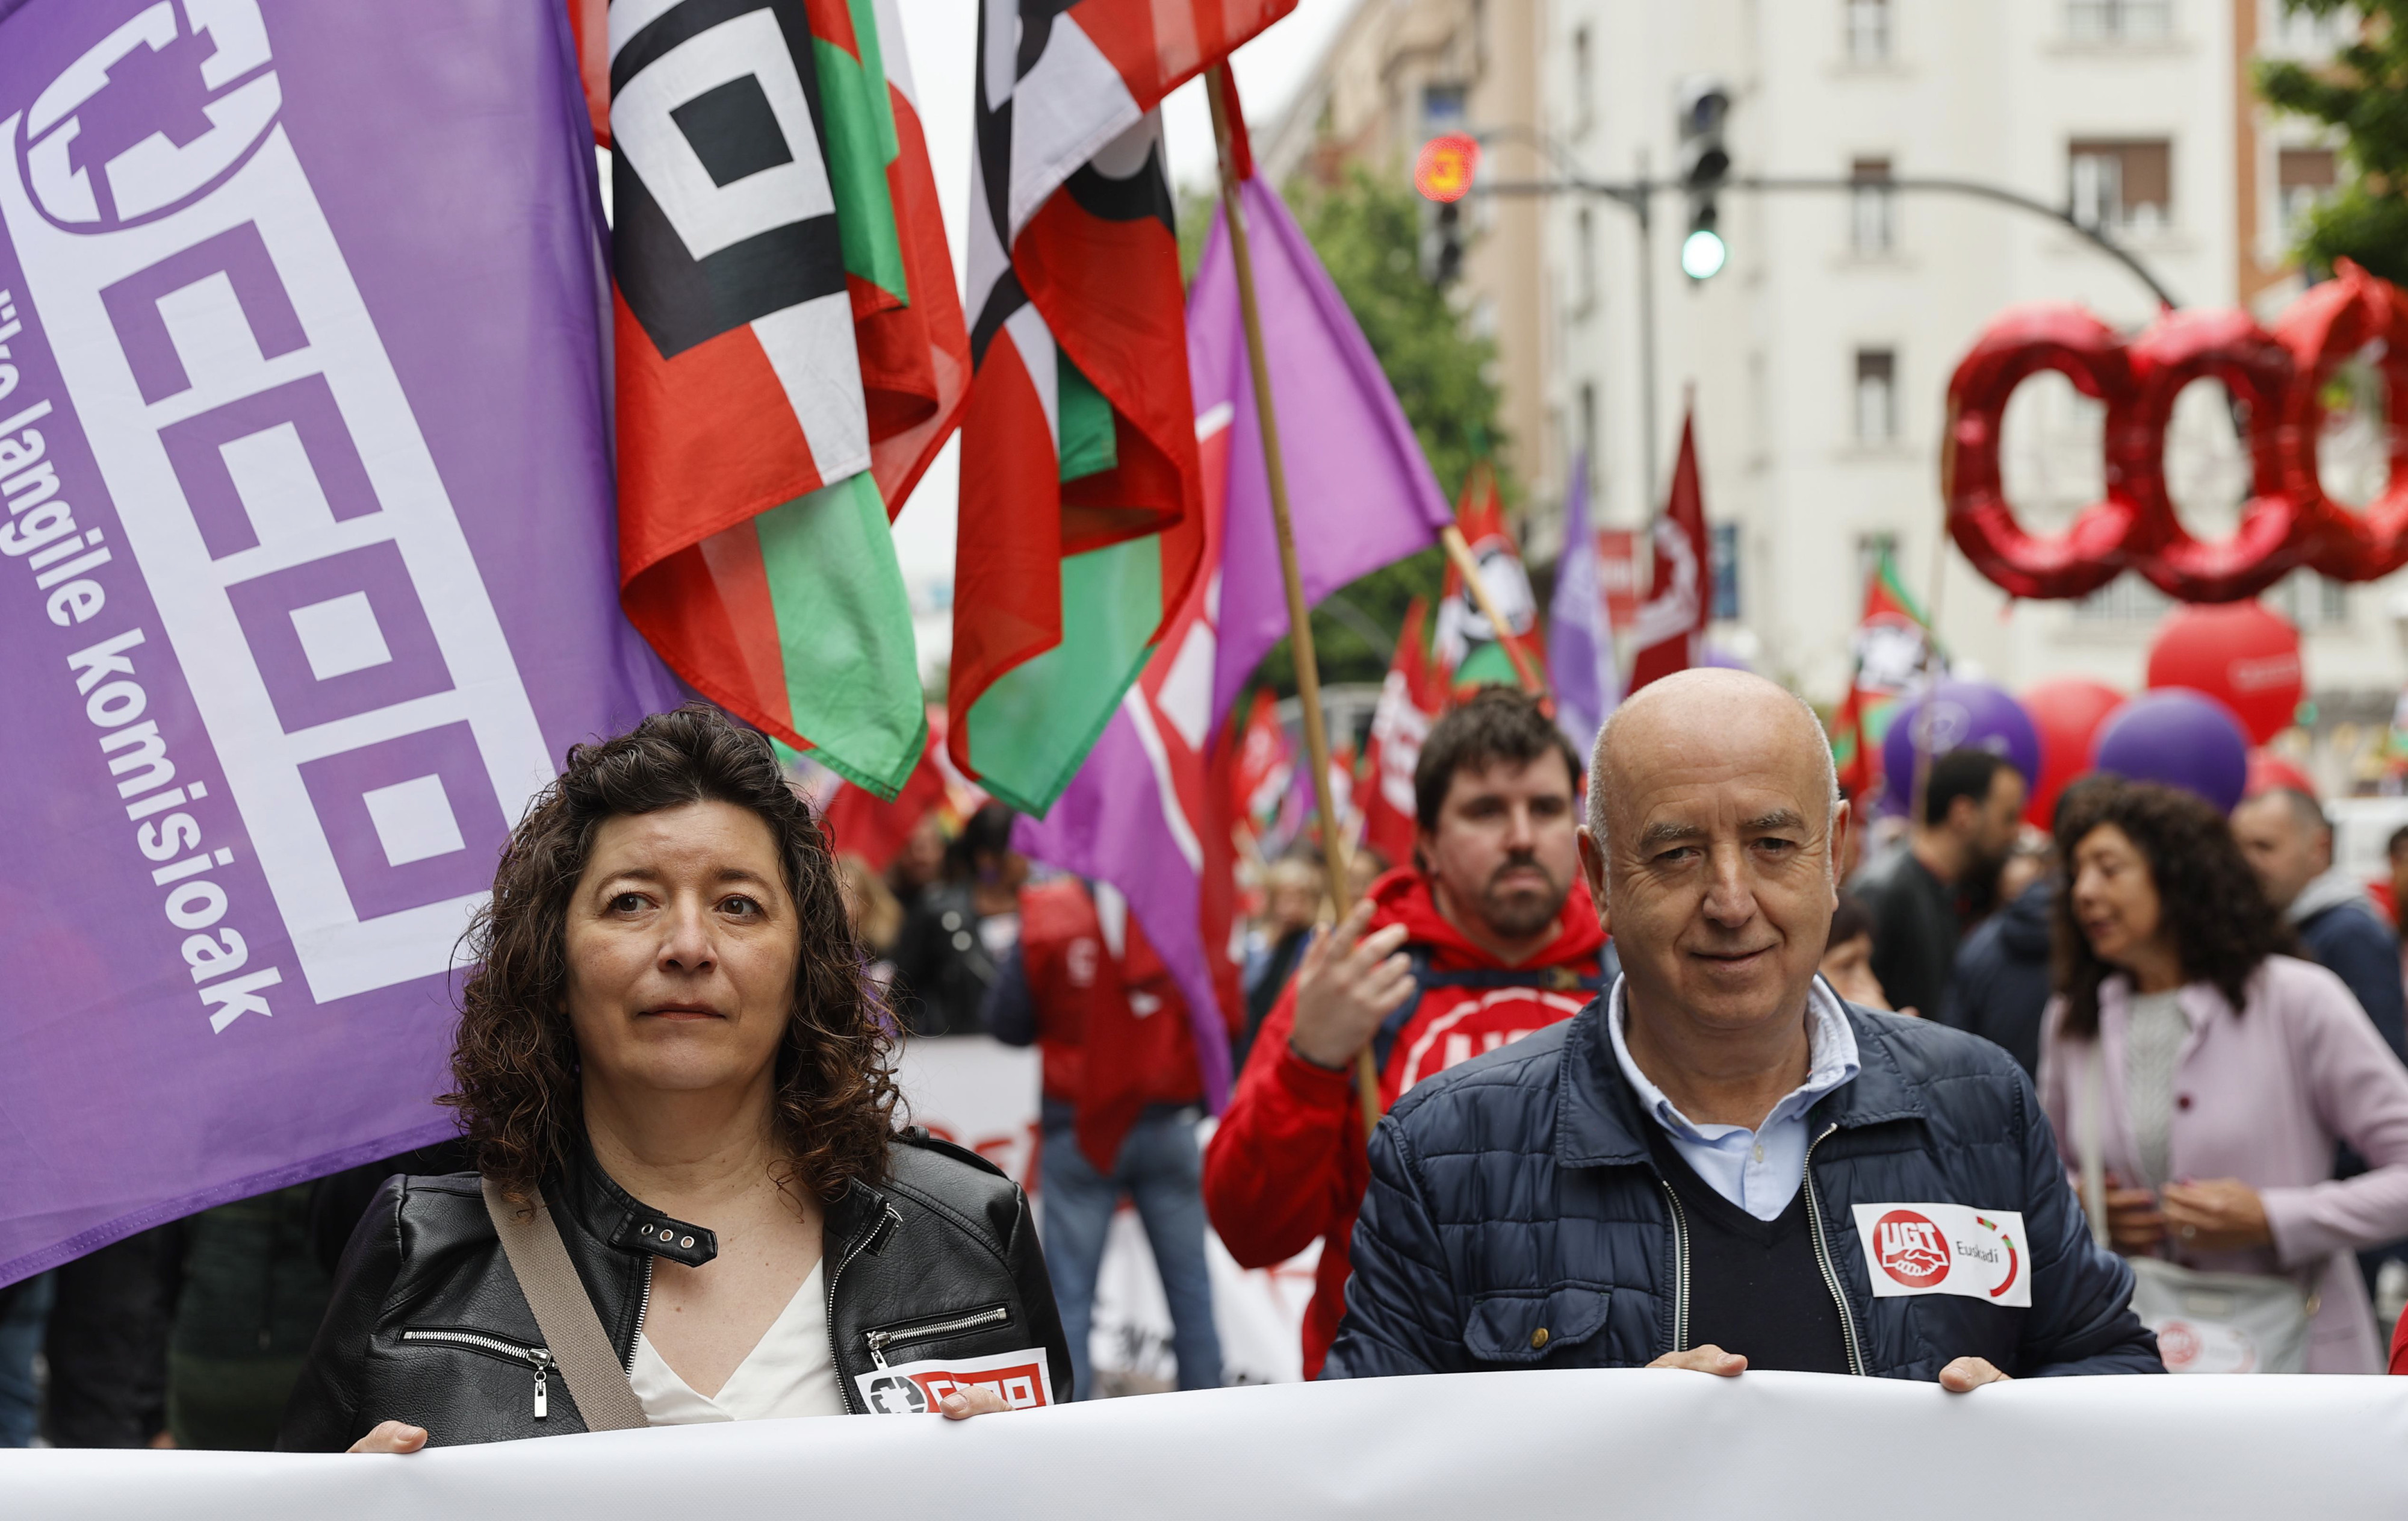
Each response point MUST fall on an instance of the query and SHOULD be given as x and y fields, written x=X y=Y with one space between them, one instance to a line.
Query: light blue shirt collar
x=1760 y=1170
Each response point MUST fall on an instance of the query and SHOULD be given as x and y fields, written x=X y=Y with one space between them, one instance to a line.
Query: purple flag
x=1138 y=814
x=1358 y=488
x=310 y=574
x=1579 y=640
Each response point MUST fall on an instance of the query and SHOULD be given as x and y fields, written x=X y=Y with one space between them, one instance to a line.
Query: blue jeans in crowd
x=21 y=1337
x=1161 y=1170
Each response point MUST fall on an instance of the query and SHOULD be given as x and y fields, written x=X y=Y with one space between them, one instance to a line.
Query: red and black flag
x=1081 y=498
x=790 y=355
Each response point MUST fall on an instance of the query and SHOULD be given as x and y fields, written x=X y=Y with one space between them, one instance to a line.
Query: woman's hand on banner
x=390 y=1437
x=969 y=1399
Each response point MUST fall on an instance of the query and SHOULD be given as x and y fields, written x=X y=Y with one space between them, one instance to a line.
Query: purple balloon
x=2181 y=737
x=1962 y=714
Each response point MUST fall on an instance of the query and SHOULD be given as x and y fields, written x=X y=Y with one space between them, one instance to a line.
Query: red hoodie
x=1287 y=1163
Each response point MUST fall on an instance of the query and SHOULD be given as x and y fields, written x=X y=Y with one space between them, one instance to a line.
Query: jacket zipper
x=1822 y=1258
x=1680 y=1270
x=539 y=1358
x=643 y=1308
x=892 y=1221
x=928 y=1330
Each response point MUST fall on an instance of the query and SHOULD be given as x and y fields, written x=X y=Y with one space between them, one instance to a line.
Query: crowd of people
x=1650 y=1028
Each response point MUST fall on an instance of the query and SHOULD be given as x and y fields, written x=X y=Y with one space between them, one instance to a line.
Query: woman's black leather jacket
x=428 y=1325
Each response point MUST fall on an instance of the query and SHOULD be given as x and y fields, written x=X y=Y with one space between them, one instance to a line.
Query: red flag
x=1671 y=629
x=1264 y=768
x=1410 y=700
x=1465 y=643
x=859 y=823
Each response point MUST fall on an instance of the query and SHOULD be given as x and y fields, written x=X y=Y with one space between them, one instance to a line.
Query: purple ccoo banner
x=308 y=574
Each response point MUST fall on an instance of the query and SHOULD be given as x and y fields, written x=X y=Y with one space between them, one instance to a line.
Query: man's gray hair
x=1596 y=810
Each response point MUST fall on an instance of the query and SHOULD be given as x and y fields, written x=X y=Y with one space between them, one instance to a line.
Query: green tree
x=2364 y=92
x=1368 y=234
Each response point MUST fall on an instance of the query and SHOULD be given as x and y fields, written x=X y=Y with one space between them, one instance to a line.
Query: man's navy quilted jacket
x=1516 y=1193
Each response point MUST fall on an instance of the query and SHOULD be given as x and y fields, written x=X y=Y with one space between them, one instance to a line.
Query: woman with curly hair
x=691 y=1203
x=2210 y=1075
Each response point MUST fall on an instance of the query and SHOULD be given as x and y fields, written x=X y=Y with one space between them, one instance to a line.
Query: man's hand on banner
x=1347 y=984
x=1964 y=1374
x=1705 y=1360
x=390 y=1437
x=1968 y=1373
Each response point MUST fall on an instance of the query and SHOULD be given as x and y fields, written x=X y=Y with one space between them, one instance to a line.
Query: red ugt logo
x=1911 y=1249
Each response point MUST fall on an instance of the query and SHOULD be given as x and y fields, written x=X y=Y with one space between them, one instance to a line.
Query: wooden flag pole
x=1299 y=616
x=1469 y=568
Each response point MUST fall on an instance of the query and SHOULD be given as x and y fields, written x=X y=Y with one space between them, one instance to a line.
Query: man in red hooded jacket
x=1487 y=937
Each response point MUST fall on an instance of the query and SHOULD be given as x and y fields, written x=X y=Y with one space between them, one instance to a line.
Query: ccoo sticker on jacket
x=914 y=1388
x=1915 y=1249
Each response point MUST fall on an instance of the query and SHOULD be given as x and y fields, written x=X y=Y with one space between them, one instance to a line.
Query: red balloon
x=2067 y=713
x=2238 y=653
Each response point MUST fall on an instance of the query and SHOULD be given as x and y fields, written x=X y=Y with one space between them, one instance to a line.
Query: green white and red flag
x=1081 y=495
x=1890 y=650
x=790 y=356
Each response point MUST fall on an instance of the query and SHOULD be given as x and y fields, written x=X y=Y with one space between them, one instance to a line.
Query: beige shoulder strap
x=579 y=1347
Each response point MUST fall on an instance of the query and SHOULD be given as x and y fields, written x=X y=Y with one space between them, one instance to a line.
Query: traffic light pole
x=1636 y=194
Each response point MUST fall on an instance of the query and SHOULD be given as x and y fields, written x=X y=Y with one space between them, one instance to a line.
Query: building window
x=2126 y=599
x=1876 y=395
x=1585 y=277
x=1868 y=31
x=1871 y=206
x=1583 y=83
x=2120 y=20
x=1721 y=553
x=1872 y=549
x=1588 y=442
x=2303 y=177
x=2122 y=185
x=1443 y=106
x=2310 y=600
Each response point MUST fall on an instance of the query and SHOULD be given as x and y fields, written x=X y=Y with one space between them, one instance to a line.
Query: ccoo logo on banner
x=281 y=506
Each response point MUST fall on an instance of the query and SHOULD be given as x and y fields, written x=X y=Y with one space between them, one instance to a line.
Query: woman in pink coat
x=2230 y=1070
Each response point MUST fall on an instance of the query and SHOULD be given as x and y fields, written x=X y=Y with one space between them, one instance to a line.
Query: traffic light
x=1705 y=164
x=1443 y=174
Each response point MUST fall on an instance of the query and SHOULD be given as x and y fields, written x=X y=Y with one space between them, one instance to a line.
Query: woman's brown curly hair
x=2216 y=914
x=514 y=1065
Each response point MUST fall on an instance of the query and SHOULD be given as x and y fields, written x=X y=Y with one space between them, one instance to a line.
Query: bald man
x=1719 y=1165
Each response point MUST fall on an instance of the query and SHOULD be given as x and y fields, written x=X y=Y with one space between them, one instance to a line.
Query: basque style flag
x=790 y=356
x=1466 y=644
x=1891 y=650
x=1081 y=495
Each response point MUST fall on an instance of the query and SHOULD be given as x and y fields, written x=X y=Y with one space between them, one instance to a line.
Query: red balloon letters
x=2278 y=380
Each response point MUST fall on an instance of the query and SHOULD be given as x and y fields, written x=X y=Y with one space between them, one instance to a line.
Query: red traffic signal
x=1443 y=172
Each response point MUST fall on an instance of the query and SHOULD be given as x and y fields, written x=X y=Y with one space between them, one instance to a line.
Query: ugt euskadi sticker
x=914 y=1388
x=1915 y=1249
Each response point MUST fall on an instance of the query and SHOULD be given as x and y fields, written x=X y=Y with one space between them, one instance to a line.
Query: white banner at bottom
x=1618 y=1443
